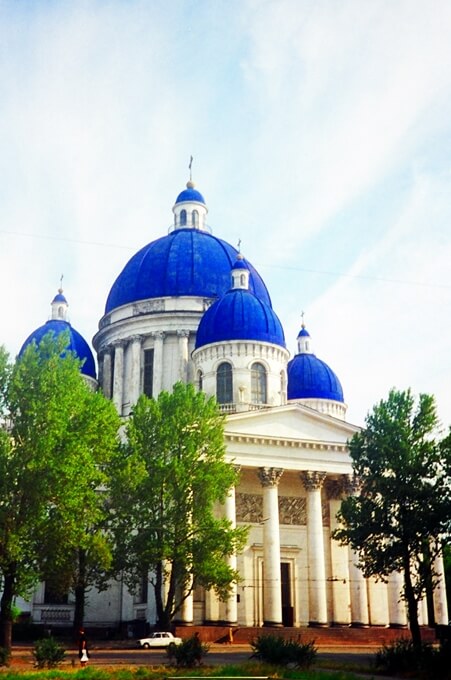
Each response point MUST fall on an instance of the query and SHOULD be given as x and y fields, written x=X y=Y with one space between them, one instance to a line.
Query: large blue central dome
x=186 y=262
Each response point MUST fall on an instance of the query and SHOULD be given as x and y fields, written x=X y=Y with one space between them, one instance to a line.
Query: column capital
x=352 y=484
x=104 y=352
x=312 y=480
x=183 y=333
x=118 y=344
x=269 y=476
x=335 y=488
x=158 y=335
x=135 y=338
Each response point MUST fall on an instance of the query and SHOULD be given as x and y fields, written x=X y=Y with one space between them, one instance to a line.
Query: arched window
x=183 y=218
x=196 y=219
x=200 y=380
x=224 y=384
x=258 y=384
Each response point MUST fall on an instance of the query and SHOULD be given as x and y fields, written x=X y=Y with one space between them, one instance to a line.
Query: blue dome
x=59 y=298
x=186 y=262
x=311 y=378
x=190 y=194
x=77 y=343
x=239 y=315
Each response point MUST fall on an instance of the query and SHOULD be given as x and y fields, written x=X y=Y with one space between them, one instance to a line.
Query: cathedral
x=189 y=306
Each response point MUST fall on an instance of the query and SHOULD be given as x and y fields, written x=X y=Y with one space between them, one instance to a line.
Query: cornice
x=285 y=443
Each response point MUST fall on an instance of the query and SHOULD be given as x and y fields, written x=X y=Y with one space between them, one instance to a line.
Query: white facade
x=295 y=468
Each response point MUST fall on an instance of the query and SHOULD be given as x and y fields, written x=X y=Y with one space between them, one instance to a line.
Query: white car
x=158 y=640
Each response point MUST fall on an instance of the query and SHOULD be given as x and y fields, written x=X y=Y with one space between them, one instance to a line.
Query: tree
x=400 y=518
x=57 y=438
x=168 y=477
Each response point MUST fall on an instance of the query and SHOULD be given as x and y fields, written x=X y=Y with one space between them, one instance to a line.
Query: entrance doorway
x=287 y=602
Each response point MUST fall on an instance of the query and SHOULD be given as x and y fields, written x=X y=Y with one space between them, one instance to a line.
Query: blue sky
x=321 y=136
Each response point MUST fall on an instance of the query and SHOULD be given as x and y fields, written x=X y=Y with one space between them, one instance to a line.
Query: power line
x=304 y=270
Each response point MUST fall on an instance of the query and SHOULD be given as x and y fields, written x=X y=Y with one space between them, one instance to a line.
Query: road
x=127 y=655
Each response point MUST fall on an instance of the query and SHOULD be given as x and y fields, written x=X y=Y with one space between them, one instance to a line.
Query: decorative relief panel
x=148 y=307
x=292 y=510
x=249 y=509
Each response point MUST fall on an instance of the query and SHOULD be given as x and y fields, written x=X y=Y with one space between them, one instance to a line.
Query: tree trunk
x=412 y=607
x=80 y=590
x=6 y=615
x=158 y=586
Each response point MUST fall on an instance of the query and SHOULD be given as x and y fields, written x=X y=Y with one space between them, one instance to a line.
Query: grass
x=160 y=673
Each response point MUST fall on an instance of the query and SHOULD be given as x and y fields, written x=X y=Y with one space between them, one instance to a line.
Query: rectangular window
x=148 y=372
x=52 y=594
x=142 y=593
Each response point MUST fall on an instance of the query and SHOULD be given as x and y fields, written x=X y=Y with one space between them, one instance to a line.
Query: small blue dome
x=186 y=262
x=239 y=315
x=311 y=378
x=240 y=264
x=303 y=333
x=77 y=343
x=59 y=297
x=190 y=194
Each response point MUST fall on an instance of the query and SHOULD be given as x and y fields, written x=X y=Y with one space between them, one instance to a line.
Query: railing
x=56 y=615
x=241 y=408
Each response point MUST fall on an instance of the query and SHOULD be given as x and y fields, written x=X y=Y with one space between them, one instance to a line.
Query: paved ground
x=127 y=654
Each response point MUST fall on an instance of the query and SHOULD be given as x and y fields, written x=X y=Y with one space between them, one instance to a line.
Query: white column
x=183 y=355
x=272 y=593
x=439 y=595
x=157 y=363
x=135 y=370
x=187 y=611
x=359 y=586
x=341 y=598
x=396 y=605
x=231 y=608
x=359 y=592
x=118 y=379
x=106 y=374
x=313 y=482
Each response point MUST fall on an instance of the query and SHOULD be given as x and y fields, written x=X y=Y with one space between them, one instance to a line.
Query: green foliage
x=402 y=657
x=167 y=478
x=188 y=653
x=5 y=656
x=276 y=650
x=48 y=652
x=53 y=459
x=401 y=513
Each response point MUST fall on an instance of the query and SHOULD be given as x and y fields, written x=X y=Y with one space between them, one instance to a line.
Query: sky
x=321 y=137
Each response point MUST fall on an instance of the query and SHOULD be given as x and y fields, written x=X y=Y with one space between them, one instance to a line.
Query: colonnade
x=121 y=366
x=354 y=600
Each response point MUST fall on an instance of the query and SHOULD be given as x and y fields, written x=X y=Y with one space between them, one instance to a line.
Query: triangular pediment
x=290 y=422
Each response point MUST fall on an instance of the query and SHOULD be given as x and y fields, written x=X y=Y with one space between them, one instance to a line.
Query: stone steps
x=323 y=637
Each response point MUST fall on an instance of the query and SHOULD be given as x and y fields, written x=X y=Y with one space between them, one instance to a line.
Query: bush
x=400 y=657
x=188 y=653
x=280 y=652
x=48 y=652
x=5 y=656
